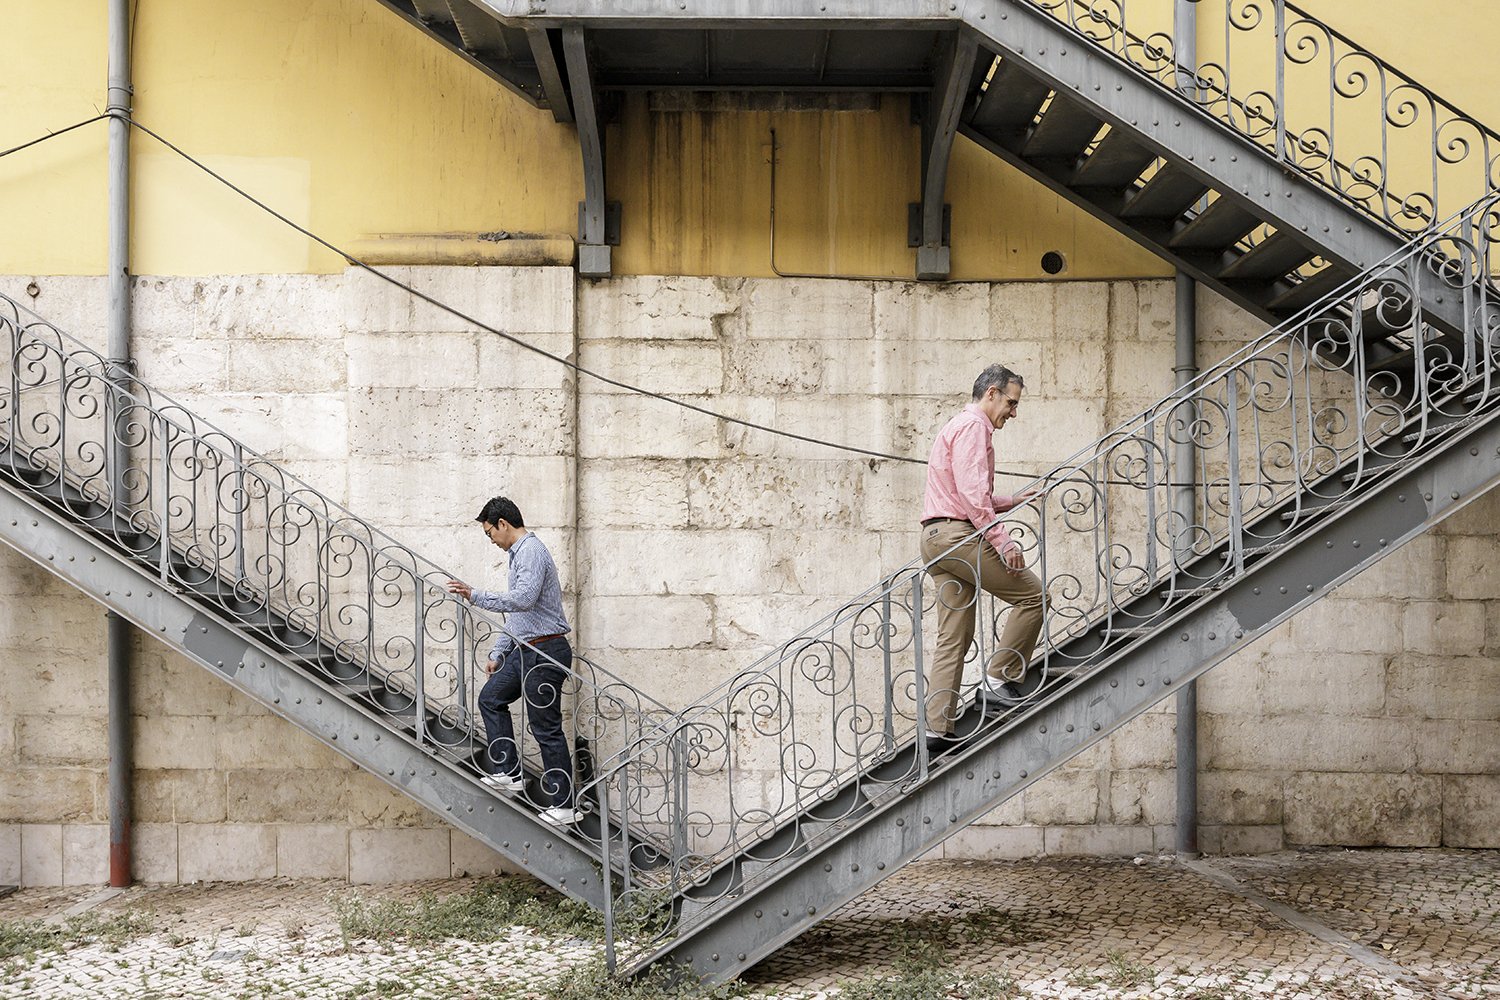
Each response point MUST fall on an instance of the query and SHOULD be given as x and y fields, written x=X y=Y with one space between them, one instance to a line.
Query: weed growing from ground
x=921 y=975
x=485 y=913
x=25 y=939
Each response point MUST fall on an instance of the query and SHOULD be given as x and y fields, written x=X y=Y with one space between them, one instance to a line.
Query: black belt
x=935 y=520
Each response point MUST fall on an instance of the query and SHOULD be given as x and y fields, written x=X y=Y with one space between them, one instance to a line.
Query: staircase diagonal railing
x=1311 y=97
x=273 y=555
x=1285 y=432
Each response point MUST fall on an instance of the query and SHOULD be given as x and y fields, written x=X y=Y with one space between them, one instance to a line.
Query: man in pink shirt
x=960 y=523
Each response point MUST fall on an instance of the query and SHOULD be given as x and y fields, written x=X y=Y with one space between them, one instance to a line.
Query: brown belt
x=935 y=520
x=543 y=638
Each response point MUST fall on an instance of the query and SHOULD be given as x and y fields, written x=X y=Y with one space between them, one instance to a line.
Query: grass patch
x=920 y=975
x=25 y=939
x=484 y=913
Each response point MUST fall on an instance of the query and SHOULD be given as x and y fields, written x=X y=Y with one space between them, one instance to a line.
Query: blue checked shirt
x=533 y=604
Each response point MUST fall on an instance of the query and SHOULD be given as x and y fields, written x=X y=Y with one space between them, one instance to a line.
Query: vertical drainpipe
x=1185 y=35
x=118 y=353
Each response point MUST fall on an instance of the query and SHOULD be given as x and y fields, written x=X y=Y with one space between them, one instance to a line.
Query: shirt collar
x=974 y=409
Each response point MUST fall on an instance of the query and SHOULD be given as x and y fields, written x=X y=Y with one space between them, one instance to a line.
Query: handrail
x=1261 y=106
x=270 y=552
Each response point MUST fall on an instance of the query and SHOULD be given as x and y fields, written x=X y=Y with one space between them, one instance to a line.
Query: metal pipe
x=1185 y=460
x=118 y=354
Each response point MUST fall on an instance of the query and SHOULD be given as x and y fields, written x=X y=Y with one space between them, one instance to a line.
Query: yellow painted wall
x=353 y=123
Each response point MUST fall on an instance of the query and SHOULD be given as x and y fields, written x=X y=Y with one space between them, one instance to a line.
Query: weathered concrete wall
x=1370 y=719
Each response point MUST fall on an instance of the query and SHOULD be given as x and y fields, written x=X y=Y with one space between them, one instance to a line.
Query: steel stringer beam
x=768 y=914
x=939 y=127
x=593 y=248
x=540 y=40
x=85 y=562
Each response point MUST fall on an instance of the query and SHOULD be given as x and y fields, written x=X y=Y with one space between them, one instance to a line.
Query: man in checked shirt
x=960 y=512
x=535 y=669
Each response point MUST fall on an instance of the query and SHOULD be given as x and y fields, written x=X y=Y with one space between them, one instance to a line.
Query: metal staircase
x=718 y=832
x=803 y=780
x=269 y=584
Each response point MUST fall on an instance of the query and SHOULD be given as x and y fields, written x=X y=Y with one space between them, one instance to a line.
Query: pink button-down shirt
x=961 y=476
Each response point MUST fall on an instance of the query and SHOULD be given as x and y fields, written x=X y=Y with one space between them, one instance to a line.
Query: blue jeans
x=531 y=673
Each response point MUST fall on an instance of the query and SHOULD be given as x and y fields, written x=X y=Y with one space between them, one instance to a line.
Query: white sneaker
x=561 y=816
x=503 y=783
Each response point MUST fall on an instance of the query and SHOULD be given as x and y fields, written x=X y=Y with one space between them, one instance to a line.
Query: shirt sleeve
x=971 y=480
x=525 y=589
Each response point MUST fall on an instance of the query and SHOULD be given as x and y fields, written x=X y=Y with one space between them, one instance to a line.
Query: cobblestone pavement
x=1348 y=925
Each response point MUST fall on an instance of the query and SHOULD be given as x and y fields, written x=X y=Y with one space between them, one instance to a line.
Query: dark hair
x=497 y=509
x=998 y=376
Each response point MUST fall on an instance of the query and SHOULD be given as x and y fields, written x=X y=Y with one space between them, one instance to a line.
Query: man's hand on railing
x=466 y=592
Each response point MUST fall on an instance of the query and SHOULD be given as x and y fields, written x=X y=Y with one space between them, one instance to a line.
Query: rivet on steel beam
x=1184 y=637
x=1454 y=495
x=1043 y=728
x=336 y=736
x=1023 y=774
x=1283 y=590
x=969 y=775
x=995 y=775
x=1234 y=158
x=880 y=866
x=70 y=558
x=1473 y=451
x=1401 y=498
x=356 y=736
x=1427 y=496
x=1096 y=727
x=1166 y=680
x=1140 y=682
x=1382 y=543
x=150 y=594
x=854 y=868
x=927 y=820
x=1114 y=682
x=1239 y=633
x=276 y=701
x=50 y=558
x=1330 y=545
x=392 y=773
x=1255 y=590
x=828 y=868
x=900 y=821
x=741 y=956
x=757 y=914
x=1355 y=543
x=1212 y=636
x=784 y=913
x=953 y=817
x=1309 y=588
x=1069 y=727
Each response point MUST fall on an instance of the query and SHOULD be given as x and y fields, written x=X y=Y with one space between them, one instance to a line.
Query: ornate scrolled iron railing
x=1310 y=96
x=270 y=553
x=1290 y=428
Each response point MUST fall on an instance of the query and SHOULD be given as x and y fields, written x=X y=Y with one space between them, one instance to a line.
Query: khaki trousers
x=955 y=578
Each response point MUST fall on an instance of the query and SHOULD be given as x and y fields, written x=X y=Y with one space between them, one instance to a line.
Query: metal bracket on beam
x=593 y=243
x=939 y=126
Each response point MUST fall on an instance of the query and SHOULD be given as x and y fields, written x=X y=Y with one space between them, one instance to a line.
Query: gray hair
x=998 y=376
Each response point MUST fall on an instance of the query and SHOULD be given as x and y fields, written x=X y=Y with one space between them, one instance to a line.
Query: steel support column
x=593 y=247
x=118 y=353
x=1184 y=468
x=1185 y=41
x=939 y=126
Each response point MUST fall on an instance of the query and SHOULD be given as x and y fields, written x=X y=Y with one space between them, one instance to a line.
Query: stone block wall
x=689 y=547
